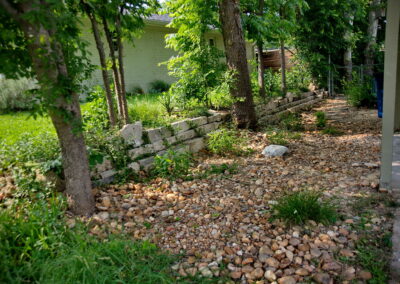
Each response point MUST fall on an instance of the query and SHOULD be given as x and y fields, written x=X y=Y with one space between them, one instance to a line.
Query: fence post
x=329 y=76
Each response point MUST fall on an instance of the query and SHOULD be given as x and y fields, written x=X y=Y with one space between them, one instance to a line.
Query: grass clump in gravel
x=298 y=207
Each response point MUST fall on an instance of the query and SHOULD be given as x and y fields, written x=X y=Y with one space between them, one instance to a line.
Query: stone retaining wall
x=271 y=112
x=186 y=135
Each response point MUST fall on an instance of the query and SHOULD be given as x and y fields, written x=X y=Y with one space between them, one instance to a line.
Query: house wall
x=143 y=57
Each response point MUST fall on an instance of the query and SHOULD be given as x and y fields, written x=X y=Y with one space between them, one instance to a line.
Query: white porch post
x=391 y=90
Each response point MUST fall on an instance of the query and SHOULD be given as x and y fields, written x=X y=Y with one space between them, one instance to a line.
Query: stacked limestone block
x=186 y=135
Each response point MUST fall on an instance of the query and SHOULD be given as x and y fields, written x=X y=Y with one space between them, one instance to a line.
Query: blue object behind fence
x=379 y=92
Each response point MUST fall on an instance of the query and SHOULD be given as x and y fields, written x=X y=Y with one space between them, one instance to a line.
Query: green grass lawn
x=14 y=125
x=146 y=107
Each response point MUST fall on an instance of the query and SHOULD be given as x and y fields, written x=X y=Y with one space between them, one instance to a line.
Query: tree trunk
x=48 y=63
x=235 y=51
x=283 y=67
x=347 y=57
x=261 y=82
x=114 y=68
x=103 y=64
x=125 y=113
x=372 y=33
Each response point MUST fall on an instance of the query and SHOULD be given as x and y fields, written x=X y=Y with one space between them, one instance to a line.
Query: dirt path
x=225 y=219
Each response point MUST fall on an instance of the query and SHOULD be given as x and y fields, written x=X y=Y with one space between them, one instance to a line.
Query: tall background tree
x=198 y=64
x=44 y=37
x=326 y=31
x=235 y=53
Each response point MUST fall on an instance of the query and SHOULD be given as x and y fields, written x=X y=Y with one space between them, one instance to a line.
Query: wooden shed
x=272 y=59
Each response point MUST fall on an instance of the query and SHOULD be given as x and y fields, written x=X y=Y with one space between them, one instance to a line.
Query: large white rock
x=132 y=133
x=275 y=151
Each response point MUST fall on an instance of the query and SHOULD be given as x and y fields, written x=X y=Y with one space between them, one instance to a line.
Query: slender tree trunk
x=235 y=51
x=283 y=68
x=261 y=82
x=121 y=71
x=347 y=57
x=372 y=33
x=260 y=69
x=114 y=68
x=103 y=64
x=65 y=112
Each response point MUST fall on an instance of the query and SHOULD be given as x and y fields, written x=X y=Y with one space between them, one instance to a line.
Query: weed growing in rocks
x=173 y=164
x=291 y=121
x=321 y=119
x=301 y=206
x=330 y=130
x=225 y=142
x=281 y=137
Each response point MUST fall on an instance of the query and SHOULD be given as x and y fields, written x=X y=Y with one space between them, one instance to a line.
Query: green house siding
x=144 y=55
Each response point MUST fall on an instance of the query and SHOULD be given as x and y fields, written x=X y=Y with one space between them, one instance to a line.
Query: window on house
x=211 y=42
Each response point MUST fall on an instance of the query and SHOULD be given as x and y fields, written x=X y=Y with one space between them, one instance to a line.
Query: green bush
x=358 y=92
x=158 y=86
x=301 y=206
x=172 y=164
x=94 y=112
x=224 y=142
x=321 y=119
x=291 y=121
x=17 y=94
x=135 y=90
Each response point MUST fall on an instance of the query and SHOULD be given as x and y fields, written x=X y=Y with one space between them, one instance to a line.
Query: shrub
x=167 y=100
x=16 y=95
x=38 y=151
x=94 y=112
x=321 y=119
x=135 y=90
x=358 y=93
x=224 y=142
x=158 y=86
x=172 y=165
x=291 y=121
x=300 y=206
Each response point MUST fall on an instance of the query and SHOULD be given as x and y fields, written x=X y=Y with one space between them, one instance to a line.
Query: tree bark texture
x=65 y=112
x=113 y=66
x=283 y=68
x=103 y=65
x=235 y=51
x=347 y=56
x=372 y=33
x=261 y=81
x=125 y=117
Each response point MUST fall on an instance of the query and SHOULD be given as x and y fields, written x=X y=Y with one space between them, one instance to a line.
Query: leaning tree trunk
x=103 y=64
x=121 y=71
x=283 y=67
x=372 y=33
x=48 y=63
x=235 y=51
x=261 y=81
x=114 y=68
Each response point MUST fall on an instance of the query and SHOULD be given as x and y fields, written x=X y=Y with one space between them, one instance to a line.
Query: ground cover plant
x=225 y=142
x=301 y=206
